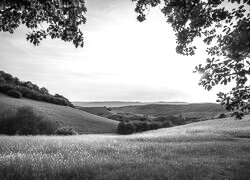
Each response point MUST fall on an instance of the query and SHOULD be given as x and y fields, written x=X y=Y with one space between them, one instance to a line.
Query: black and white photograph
x=124 y=90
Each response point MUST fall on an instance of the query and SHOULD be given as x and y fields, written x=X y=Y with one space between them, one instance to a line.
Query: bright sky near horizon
x=122 y=59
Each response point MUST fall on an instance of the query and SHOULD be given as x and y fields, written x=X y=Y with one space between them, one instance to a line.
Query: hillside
x=198 y=110
x=213 y=149
x=81 y=121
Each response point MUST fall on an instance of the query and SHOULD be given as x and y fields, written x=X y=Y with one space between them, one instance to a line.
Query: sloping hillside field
x=214 y=149
x=81 y=121
x=198 y=110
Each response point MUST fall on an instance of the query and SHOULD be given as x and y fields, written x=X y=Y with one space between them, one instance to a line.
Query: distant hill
x=81 y=121
x=119 y=103
x=99 y=111
x=197 y=110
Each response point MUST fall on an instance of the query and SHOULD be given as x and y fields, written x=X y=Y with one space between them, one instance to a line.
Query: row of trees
x=29 y=90
x=138 y=126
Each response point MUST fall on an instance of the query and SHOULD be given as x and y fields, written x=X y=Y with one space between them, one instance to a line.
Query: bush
x=222 y=115
x=121 y=127
x=138 y=126
x=167 y=124
x=25 y=122
x=130 y=128
x=14 y=93
x=126 y=128
x=153 y=126
x=65 y=131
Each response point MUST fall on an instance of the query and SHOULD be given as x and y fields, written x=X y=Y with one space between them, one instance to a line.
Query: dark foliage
x=121 y=128
x=30 y=90
x=65 y=131
x=25 y=122
x=130 y=128
x=14 y=93
x=126 y=128
x=225 y=32
x=167 y=124
x=139 y=126
x=62 y=16
x=222 y=115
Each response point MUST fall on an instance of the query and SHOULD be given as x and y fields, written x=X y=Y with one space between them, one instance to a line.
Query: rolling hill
x=198 y=110
x=81 y=121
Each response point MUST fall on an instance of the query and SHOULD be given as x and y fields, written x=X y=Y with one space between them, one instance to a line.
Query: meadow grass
x=215 y=149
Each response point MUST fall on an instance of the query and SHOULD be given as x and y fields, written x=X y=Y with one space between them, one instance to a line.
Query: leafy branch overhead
x=58 y=19
x=224 y=26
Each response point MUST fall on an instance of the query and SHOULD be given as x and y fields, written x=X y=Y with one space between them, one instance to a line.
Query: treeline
x=138 y=126
x=144 y=124
x=12 y=86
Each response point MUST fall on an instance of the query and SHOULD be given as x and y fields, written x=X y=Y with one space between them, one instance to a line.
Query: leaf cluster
x=225 y=32
x=58 y=19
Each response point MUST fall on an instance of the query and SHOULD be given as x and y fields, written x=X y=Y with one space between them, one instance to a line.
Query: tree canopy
x=224 y=27
x=55 y=18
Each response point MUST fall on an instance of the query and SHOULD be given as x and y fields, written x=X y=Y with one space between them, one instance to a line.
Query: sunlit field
x=214 y=149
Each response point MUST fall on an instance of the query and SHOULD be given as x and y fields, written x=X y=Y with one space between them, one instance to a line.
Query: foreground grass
x=216 y=149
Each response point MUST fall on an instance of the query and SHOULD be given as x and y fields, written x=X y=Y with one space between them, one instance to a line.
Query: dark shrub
x=144 y=126
x=25 y=122
x=65 y=131
x=153 y=125
x=126 y=128
x=222 y=115
x=166 y=124
x=121 y=128
x=109 y=109
x=138 y=126
x=14 y=93
x=130 y=128
x=143 y=118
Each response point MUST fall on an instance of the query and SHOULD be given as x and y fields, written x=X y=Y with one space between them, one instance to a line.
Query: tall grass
x=195 y=151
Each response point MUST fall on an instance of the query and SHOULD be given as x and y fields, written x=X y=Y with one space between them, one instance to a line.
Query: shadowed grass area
x=204 y=150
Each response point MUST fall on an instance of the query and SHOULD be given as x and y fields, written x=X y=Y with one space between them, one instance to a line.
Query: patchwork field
x=214 y=149
x=81 y=121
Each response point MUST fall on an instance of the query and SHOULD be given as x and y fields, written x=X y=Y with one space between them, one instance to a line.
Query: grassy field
x=81 y=121
x=197 y=110
x=214 y=149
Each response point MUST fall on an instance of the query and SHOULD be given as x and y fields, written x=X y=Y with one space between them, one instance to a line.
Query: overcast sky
x=122 y=59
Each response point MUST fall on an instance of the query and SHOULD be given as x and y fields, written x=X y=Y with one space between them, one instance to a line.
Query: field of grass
x=197 y=110
x=81 y=121
x=214 y=149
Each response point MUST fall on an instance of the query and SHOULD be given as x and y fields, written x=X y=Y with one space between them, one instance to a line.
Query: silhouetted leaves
x=54 y=18
x=225 y=31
